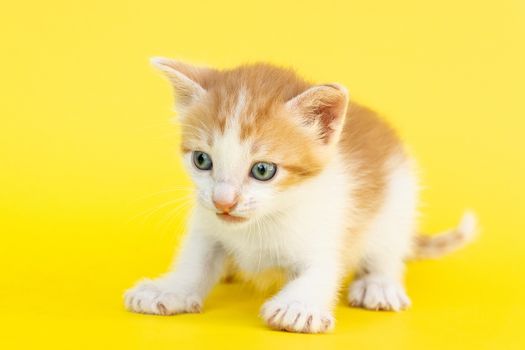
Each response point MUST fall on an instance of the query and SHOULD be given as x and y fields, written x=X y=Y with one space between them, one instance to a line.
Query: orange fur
x=366 y=141
x=264 y=121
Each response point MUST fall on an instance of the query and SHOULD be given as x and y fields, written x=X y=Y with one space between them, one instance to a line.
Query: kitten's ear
x=188 y=81
x=322 y=107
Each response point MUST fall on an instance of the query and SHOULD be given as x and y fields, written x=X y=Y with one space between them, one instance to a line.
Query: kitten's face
x=250 y=162
x=251 y=134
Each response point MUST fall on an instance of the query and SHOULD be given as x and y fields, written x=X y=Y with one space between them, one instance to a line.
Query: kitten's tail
x=429 y=247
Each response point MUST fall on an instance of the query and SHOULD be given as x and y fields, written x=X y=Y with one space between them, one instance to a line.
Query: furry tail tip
x=468 y=226
x=428 y=247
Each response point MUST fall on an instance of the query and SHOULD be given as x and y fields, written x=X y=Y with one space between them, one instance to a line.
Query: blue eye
x=202 y=160
x=263 y=171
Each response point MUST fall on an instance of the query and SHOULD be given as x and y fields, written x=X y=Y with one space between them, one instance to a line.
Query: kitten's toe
x=378 y=293
x=151 y=297
x=296 y=317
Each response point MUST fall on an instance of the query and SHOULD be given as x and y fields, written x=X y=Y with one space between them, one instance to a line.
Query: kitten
x=289 y=175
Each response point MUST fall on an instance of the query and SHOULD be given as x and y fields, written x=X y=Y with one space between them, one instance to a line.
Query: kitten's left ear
x=322 y=107
x=189 y=82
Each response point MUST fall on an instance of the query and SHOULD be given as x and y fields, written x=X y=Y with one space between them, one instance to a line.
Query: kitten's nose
x=225 y=206
x=225 y=197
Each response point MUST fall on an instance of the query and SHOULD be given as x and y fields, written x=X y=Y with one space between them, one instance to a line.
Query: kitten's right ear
x=322 y=107
x=189 y=82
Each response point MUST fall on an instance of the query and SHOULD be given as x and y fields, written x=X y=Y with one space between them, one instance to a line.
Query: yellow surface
x=86 y=147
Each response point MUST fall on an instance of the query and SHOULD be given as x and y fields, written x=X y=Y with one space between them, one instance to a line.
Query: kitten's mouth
x=230 y=218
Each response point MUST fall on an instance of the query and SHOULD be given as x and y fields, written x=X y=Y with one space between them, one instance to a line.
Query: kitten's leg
x=379 y=281
x=182 y=290
x=379 y=286
x=305 y=303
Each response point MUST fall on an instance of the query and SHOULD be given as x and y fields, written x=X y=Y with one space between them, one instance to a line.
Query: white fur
x=388 y=242
x=468 y=225
x=302 y=234
x=303 y=239
x=301 y=230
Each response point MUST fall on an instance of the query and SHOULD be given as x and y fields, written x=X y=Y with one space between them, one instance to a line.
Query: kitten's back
x=372 y=149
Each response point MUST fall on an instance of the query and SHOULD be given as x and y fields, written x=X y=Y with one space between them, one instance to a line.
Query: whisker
x=151 y=211
x=175 y=214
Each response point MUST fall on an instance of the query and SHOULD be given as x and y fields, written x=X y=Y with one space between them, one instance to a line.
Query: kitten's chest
x=255 y=251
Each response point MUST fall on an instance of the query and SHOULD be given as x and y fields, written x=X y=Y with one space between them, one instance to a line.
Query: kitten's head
x=252 y=133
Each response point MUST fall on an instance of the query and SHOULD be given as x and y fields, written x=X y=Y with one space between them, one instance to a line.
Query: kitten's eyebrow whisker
x=203 y=127
x=206 y=127
x=189 y=126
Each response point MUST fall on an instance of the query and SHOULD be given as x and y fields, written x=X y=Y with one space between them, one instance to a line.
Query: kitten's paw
x=297 y=317
x=378 y=293
x=153 y=297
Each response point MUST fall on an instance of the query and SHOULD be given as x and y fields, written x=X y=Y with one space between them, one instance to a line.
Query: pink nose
x=225 y=206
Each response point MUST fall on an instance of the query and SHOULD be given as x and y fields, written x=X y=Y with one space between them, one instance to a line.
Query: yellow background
x=86 y=150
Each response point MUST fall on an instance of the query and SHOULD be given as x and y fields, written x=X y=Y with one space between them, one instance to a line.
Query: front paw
x=155 y=297
x=295 y=316
x=378 y=293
